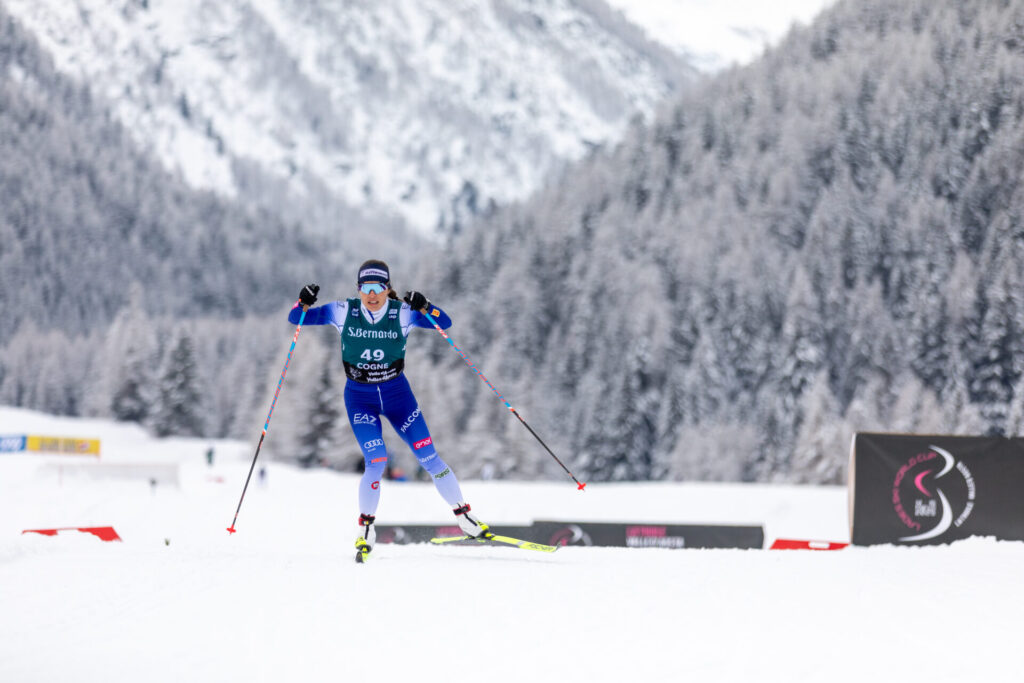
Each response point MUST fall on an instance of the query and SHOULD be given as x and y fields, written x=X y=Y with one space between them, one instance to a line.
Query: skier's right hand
x=307 y=297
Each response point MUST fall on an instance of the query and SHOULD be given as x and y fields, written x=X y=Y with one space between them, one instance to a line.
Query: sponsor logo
x=376 y=460
x=360 y=333
x=923 y=479
x=395 y=534
x=571 y=534
x=435 y=312
x=363 y=419
x=60 y=444
x=652 y=537
x=370 y=445
x=375 y=485
x=409 y=420
x=424 y=461
x=447 y=471
x=12 y=444
x=420 y=444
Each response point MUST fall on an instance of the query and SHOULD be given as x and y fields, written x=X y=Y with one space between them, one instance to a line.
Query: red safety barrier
x=104 y=533
x=791 y=544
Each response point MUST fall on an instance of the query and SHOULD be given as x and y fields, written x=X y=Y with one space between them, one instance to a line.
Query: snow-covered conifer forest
x=828 y=239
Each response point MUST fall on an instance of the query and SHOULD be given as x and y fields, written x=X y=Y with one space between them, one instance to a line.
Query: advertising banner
x=12 y=444
x=62 y=444
x=104 y=533
x=623 y=535
x=912 y=489
x=647 y=535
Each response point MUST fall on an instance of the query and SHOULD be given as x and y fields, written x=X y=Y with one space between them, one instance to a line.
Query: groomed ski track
x=281 y=600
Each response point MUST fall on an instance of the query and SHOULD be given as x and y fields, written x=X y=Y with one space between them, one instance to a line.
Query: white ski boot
x=367 y=537
x=470 y=525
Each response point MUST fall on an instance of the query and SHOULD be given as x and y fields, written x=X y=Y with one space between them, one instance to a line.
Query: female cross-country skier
x=373 y=330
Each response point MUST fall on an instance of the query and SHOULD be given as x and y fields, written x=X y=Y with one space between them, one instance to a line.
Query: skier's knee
x=432 y=462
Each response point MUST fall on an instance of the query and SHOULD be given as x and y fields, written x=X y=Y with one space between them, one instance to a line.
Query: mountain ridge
x=429 y=111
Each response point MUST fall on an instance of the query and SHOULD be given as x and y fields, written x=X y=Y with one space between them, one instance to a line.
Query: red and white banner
x=104 y=533
x=793 y=544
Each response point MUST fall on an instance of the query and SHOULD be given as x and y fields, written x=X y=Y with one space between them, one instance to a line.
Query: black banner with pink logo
x=911 y=489
x=649 y=535
x=623 y=535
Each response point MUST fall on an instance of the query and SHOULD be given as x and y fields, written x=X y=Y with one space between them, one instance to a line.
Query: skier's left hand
x=307 y=297
x=416 y=301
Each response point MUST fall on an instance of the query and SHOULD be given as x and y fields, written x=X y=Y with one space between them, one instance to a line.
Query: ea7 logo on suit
x=363 y=419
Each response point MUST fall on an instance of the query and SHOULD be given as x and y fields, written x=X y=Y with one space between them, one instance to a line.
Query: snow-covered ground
x=282 y=600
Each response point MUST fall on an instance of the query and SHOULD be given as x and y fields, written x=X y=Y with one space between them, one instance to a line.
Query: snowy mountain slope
x=420 y=107
x=816 y=244
x=715 y=34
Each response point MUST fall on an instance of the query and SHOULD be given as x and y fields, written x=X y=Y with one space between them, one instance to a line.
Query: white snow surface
x=719 y=33
x=282 y=599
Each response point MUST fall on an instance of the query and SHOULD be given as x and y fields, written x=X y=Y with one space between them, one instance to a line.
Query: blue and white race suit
x=373 y=350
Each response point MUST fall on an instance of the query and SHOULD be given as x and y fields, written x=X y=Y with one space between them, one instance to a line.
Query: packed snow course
x=282 y=599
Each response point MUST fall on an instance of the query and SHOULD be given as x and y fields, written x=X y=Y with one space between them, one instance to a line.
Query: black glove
x=416 y=301
x=307 y=297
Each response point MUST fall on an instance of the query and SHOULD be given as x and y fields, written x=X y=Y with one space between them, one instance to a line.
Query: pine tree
x=819 y=454
x=123 y=373
x=179 y=409
x=996 y=353
x=131 y=399
x=802 y=345
x=317 y=440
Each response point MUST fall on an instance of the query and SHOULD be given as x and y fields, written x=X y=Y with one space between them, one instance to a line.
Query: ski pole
x=579 y=485
x=266 y=425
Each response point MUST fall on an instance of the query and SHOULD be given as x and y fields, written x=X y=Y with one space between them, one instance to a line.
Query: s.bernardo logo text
x=371 y=334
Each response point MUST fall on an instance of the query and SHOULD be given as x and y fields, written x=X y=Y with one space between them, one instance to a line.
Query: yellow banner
x=62 y=444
